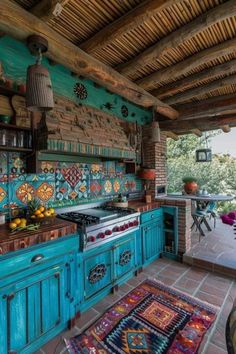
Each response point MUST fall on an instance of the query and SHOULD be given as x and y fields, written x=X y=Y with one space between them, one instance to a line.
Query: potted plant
x=190 y=185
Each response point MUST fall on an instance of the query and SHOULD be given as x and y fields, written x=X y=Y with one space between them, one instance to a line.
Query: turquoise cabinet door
x=125 y=256
x=98 y=272
x=151 y=241
x=31 y=308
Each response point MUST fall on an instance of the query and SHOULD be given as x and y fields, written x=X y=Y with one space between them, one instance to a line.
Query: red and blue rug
x=152 y=318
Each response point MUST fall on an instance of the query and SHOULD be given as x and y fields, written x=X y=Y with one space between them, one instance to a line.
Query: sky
x=224 y=143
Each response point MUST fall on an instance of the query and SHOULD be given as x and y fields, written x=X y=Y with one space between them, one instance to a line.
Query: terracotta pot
x=147 y=174
x=191 y=187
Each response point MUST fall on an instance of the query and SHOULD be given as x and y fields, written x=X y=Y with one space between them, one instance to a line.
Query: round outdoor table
x=203 y=198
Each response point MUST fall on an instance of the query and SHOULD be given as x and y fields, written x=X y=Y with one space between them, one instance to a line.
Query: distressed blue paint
x=16 y=58
x=152 y=235
x=170 y=213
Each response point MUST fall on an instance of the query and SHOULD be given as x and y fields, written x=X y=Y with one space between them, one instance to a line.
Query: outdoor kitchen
x=91 y=242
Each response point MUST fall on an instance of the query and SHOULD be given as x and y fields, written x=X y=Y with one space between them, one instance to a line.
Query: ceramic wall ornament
x=80 y=91
x=107 y=187
x=96 y=171
x=116 y=186
x=25 y=192
x=3 y=194
x=95 y=187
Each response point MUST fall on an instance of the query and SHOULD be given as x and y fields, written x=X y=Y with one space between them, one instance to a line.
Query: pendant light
x=39 y=94
x=205 y=154
x=155 y=133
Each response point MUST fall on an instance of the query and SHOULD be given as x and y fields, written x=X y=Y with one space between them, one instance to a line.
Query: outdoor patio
x=216 y=251
x=215 y=289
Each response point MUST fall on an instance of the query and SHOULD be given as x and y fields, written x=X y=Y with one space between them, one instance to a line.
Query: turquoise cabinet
x=151 y=235
x=36 y=302
x=98 y=272
x=125 y=256
x=108 y=265
x=170 y=231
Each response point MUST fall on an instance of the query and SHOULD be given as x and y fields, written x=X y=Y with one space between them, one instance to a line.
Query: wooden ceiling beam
x=201 y=90
x=205 y=123
x=197 y=132
x=225 y=128
x=215 y=106
x=191 y=80
x=189 y=64
x=172 y=135
x=18 y=23
x=131 y=20
x=191 y=29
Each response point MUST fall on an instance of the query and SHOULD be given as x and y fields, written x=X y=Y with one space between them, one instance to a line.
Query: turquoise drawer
x=34 y=256
x=150 y=215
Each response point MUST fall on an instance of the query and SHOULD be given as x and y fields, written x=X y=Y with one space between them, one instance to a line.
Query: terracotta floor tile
x=213 y=349
x=56 y=345
x=187 y=284
x=218 y=338
x=214 y=290
x=86 y=318
x=165 y=280
x=211 y=299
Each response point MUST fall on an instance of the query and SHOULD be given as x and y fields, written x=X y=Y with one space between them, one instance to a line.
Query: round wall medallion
x=80 y=91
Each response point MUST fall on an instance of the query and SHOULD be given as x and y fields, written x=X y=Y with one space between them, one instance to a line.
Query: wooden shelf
x=6 y=91
x=13 y=127
x=16 y=149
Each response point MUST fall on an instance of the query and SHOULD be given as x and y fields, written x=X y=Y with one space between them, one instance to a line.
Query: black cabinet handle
x=37 y=258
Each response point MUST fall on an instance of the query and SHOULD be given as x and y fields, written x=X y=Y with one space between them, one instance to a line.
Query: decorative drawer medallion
x=97 y=273
x=125 y=258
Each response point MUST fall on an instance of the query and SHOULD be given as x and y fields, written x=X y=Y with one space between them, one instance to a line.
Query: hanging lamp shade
x=203 y=155
x=39 y=94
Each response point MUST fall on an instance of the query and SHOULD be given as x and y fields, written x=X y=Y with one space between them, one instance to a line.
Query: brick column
x=154 y=156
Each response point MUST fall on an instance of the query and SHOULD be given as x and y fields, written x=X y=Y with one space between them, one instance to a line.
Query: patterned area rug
x=152 y=318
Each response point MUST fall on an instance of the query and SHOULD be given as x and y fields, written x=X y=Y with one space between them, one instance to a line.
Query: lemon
x=37 y=212
x=12 y=225
x=41 y=208
x=23 y=220
x=47 y=213
x=22 y=224
x=40 y=216
x=16 y=221
x=52 y=211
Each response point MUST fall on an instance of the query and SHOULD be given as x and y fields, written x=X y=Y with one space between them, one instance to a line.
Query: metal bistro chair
x=200 y=217
x=211 y=210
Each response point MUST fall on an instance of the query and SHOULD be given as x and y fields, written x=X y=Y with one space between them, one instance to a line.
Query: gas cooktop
x=102 y=223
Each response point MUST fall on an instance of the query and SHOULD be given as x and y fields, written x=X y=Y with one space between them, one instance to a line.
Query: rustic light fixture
x=39 y=94
x=205 y=154
x=155 y=133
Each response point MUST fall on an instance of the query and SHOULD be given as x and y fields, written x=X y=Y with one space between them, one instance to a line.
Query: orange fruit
x=12 y=225
x=37 y=212
x=41 y=208
x=16 y=221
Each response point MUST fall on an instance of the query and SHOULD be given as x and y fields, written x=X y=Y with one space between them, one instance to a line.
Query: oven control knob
x=91 y=239
x=135 y=222
x=108 y=232
x=126 y=226
x=122 y=228
x=131 y=224
x=116 y=229
x=101 y=235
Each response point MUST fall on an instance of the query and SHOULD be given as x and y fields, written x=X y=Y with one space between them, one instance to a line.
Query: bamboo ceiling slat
x=80 y=20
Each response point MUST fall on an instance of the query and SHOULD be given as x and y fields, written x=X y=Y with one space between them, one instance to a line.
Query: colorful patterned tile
x=120 y=169
x=17 y=163
x=116 y=186
x=48 y=167
x=110 y=169
x=3 y=194
x=45 y=192
x=96 y=171
x=82 y=189
x=95 y=187
x=107 y=187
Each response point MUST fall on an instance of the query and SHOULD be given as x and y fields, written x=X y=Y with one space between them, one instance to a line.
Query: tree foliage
x=217 y=176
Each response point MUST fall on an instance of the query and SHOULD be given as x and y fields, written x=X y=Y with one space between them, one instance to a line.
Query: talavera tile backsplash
x=61 y=183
